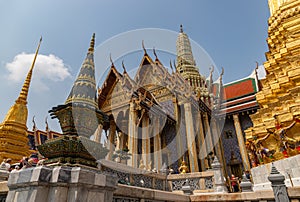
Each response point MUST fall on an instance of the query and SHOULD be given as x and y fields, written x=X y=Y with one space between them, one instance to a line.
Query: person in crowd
x=234 y=183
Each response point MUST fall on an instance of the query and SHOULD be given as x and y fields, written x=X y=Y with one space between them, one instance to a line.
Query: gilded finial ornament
x=92 y=43
x=181 y=28
x=143 y=45
x=46 y=122
x=124 y=69
x=256 y=65
x=154 y=52
x=212 y=68
x=174 y=63
x=171 y=66
x=34 y=125
x=111 y=61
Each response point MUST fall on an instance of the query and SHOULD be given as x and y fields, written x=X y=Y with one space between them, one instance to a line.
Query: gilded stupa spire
x=13 y=130
x=24 y=92
x=84 y=88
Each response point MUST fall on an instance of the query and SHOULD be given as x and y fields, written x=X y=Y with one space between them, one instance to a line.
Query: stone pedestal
x=60 y=184
x=279 y=188
x=246 y=185
x=218 y=176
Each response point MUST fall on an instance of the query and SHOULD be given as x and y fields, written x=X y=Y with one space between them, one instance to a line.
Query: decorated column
x=111 y=139
x=201 y=144
x=98 y=133
x=179 y=145
x=191 y=139
x=241 y=142
x=157 y=145
x=208 y=138
x=145 y=141
x=133 y=136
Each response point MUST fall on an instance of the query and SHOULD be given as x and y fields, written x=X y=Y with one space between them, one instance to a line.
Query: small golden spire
x=24 y=92
x=92 y=44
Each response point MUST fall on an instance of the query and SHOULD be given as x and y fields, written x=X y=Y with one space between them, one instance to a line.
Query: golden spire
x=13 y=130
x=24 y=92
x=92 y=43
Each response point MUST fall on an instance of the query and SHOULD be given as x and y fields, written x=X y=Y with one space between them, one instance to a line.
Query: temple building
x=162 y=116
x=238 y=104
x=37 y=137
x=174 y=114
x=275 y=133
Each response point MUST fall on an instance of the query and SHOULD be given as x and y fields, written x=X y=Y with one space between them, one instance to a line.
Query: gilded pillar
x=111 y=139
x=157 y=146
x=145 y=141
x=202 y=144
x=242 y=146
x=216 y=138
x=120 y=141
x=179 y=145
x=98 y=133
x=208 y=138
x=133 y=136
x=190 y=136
x=218 y=144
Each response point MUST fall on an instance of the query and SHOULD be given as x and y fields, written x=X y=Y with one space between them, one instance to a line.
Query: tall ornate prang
x=13 y=130
x=79 y=118
x=186 y=64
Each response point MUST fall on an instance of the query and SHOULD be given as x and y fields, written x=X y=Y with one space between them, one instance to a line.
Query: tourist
x=23 y=162
x=7 y=164
x=248 y=175
x=234 y=183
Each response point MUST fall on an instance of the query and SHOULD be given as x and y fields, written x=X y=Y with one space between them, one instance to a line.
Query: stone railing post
x=246 y=185
x=278 y=185
x=218 y=176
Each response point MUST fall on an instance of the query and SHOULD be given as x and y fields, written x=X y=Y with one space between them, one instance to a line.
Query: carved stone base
x=289 y=167
x=72 y=151
x=60 y=184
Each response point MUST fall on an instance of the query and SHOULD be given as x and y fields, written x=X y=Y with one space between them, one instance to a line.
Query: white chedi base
x=288 y=167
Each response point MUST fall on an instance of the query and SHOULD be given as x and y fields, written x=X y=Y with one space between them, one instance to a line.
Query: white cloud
x=47 y=67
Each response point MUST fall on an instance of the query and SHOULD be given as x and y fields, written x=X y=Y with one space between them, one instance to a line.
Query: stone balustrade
x=134 y=176
x=198 y=181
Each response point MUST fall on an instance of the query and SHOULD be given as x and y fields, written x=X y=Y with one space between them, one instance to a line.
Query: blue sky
x=232 y=32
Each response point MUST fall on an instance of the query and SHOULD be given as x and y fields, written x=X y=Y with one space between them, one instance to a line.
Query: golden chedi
x=276 y=130
x=13 y=130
